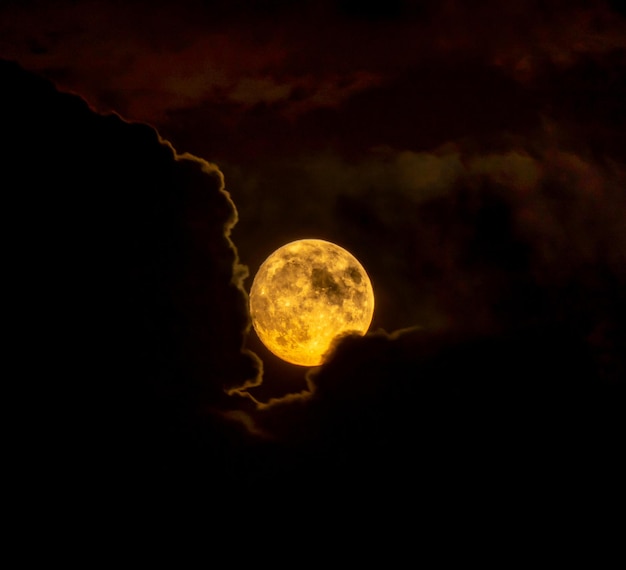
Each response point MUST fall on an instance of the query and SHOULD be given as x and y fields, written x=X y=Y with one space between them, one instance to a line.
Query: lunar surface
x=305 y=295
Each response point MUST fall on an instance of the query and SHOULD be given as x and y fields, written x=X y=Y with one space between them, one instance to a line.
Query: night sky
x=472 y=156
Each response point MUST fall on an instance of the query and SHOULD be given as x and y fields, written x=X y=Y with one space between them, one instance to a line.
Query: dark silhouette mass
x=125 y=307
x=128 y=327
x=471 y=157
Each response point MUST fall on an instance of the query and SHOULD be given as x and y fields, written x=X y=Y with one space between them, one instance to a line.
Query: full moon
x=305 y=295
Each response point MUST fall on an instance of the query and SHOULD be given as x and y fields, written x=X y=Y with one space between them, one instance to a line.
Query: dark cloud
x=470 y=155
x=451 y=420
x=147 y=61
x=508 y=266
x=128 y=316
x=465 y=234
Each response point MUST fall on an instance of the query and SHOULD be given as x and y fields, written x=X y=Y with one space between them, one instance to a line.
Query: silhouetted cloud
x=508 y=265
x=471 y=156
x=128 y=309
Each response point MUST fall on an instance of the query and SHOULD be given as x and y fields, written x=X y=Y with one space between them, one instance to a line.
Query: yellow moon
x=305 y=295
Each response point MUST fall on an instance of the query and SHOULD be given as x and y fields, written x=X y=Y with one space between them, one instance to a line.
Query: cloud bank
x=506 y=248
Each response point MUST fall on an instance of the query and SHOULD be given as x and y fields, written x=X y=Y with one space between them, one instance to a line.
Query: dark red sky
x=470 y=154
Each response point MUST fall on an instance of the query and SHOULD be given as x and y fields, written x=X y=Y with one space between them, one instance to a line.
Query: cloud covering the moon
x=471 y=159
x=524 y=242
x=500 y=208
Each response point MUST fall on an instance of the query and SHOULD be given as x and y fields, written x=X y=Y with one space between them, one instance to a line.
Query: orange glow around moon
x=305 y=295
